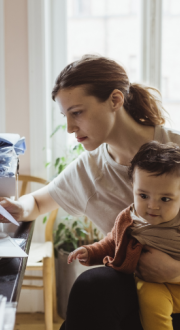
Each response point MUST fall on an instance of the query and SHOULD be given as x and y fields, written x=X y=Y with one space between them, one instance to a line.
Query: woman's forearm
x=30 y=210
x=175 y=280
x=29 y=207
x=156 y=266
x=176 y=274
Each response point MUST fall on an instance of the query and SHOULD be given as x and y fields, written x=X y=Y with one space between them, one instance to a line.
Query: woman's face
x=92 y=121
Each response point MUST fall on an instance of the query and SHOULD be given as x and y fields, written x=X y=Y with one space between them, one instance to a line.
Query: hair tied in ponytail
x=129 y=87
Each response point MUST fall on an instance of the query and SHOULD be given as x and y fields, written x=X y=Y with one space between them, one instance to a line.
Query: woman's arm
x=156 y=266
x=30 y=206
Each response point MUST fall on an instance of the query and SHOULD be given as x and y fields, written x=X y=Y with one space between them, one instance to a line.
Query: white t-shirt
x=96 y=186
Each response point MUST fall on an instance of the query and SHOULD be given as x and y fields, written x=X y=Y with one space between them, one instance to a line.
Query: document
x=10 y=249
x=8 y=216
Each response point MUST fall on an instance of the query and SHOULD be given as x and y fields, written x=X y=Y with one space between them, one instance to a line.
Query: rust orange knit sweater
x=118 y=249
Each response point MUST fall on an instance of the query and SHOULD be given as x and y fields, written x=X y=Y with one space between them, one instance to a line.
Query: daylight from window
x=105 y=27
x=113 y=28
x=171 y=60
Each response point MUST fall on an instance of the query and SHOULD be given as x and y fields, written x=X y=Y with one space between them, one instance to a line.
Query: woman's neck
x=127 y=137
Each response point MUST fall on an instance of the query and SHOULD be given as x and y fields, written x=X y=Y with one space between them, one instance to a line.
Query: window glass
x=106 y=27
x=171 y=60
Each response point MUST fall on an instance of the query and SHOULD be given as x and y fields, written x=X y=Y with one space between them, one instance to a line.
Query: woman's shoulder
x=166 y=134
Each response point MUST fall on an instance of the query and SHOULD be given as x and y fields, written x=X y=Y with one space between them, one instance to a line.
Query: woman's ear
x=117 y=99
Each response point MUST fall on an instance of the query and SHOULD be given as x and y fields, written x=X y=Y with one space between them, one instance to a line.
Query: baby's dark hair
x=156 y=158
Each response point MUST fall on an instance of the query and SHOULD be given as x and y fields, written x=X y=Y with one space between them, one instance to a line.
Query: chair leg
x=55 y=314
x=48 y=301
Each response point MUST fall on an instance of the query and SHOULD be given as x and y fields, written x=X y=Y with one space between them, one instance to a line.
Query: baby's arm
x=81 y=254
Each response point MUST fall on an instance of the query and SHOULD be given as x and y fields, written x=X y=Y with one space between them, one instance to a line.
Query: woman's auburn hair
x=100 y=76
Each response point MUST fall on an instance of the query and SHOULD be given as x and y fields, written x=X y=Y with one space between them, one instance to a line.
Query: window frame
x=53 y=24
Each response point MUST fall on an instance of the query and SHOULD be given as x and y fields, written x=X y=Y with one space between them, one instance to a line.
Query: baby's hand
x=81 y=254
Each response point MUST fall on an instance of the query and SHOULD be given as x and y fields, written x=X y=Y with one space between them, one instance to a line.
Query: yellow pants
x=157 y=302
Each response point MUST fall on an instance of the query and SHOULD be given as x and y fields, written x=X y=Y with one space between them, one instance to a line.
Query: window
x=106 y=27
x=81 y=7
x=171 y=60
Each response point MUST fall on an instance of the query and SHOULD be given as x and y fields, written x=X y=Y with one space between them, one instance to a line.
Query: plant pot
x=65 y=277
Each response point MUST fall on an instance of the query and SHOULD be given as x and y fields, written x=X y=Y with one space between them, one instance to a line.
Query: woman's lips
x=81 y=139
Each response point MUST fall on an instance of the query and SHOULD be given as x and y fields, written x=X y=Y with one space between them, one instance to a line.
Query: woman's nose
x=71 y=128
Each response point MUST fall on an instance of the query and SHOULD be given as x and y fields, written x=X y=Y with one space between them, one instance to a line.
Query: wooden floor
x=33 y=321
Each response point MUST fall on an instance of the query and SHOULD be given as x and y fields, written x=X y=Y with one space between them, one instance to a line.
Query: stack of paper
x=8 y=247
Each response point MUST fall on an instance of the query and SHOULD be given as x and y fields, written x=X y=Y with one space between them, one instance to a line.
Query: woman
x=112 y=119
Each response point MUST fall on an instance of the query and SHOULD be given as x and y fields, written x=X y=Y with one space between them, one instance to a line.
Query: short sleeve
x=73 y=187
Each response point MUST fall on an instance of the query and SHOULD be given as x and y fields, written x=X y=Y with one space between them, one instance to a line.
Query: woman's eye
x=77 y=113
x=143 y=196
x=165 y=199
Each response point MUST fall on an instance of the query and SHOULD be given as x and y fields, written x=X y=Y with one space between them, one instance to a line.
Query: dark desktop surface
x=12 y=269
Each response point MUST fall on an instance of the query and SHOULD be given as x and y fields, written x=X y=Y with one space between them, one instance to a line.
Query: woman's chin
x=90 y=147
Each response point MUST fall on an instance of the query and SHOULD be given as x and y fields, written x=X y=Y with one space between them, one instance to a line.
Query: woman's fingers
x=13 y=207
x=3 y=219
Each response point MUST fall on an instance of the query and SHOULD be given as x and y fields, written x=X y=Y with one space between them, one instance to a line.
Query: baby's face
x=156 y=198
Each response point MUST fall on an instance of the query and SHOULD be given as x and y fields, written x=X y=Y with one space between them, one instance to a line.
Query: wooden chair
x=45 y=252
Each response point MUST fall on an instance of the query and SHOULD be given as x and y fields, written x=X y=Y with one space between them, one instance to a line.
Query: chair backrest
x=25 y=179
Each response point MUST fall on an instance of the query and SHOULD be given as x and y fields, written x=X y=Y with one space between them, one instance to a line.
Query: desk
x=12 y=269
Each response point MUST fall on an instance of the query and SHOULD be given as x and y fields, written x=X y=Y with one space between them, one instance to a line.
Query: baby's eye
x=165 y=199
x=143 y=196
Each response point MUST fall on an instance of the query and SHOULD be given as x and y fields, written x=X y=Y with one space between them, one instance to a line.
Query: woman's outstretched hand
x=13 y=207
x=81 y=254
x=156 y=266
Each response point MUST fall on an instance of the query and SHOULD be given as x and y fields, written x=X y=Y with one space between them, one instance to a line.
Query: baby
x=154 y=220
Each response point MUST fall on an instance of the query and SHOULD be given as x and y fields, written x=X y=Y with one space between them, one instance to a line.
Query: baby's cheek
x=140 y=209
x=170 y=212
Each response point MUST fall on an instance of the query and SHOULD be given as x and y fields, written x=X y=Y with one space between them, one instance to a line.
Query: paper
x=10 y=249
x=8 y=216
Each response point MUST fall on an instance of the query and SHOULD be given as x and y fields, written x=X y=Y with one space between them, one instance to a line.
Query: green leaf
x=55 y=130
x=44 y=219
x=63 y=127
x=74 y=242
x=80 y=232
x=95 y=232
x=61 y=226
x=47 y=164
x=78 y=149
x=74 y=224
x=61 y=168
x=57 y=161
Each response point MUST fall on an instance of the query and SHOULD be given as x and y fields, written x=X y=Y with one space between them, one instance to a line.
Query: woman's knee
x=105 y=281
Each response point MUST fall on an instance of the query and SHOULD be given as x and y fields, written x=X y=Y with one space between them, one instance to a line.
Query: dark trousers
x=103 y=298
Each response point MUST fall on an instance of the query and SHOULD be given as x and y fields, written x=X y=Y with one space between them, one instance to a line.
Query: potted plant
x=71 y=232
